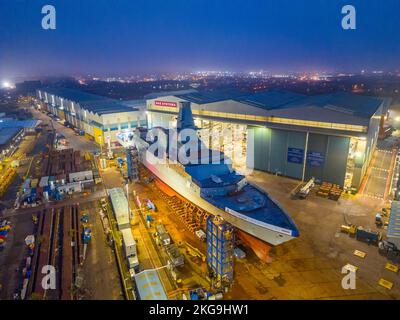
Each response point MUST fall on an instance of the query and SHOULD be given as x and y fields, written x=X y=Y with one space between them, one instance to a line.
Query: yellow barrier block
x=392 y=267
x=385 y=283
x=359 y=253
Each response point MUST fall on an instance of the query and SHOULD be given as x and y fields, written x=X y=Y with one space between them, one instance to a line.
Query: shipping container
x=367 y=235
x=120 y=207
x=129 y=243
x=44 y=181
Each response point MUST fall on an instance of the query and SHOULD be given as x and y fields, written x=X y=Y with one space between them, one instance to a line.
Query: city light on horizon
x=6 y=84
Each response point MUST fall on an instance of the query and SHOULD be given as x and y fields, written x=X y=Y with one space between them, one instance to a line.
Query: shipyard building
x=12 y=132
x=330 y=137
x=97 y=117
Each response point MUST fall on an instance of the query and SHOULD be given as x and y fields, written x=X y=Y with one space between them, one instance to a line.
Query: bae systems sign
x=165 y=104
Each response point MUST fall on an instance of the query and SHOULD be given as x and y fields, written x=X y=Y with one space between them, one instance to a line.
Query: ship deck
x=249 y=201
x=256 y=205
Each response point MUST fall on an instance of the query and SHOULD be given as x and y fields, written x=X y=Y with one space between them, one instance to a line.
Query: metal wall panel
x=261 y=148
x=278 y=151
x=336 y=160
x=271 y=154
x=271 y=150
x=316 y=143
x=295 y=140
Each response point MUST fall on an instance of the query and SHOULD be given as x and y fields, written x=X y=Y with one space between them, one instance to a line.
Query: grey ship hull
x=185 y=187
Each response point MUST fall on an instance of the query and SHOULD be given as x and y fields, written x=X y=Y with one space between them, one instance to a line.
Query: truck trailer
x=129 y=243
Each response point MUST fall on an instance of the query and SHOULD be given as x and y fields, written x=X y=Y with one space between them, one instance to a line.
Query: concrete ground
x=310 y=267
x=76 y=141
x=194 y=270
x=100 y=274
x=11 y=256
x=149 y=254
x=390 y=142
x=101 y=279
x=376 y=184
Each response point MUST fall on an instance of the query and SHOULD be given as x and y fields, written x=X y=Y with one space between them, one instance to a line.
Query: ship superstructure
x=206 y=178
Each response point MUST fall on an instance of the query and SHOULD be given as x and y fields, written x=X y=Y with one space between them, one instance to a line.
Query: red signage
x=165 y=104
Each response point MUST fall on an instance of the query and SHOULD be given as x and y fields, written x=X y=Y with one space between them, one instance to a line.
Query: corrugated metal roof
x=343 y=102
x=6 y=134
x=202 y=97
x=270 y=99
x=155 y=95
x=91 y=102
x=393 y=230
x=135 y=104
x=149 y=286
x=12 y=123
x=120 y=205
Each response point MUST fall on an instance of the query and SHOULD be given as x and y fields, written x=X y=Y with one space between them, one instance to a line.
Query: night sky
x=128 y=36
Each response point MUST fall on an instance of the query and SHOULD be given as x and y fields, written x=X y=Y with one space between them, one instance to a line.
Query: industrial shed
x=149 y=286
x=330 y=137
x=99 y=117
x=393 y=230
x=7 y=138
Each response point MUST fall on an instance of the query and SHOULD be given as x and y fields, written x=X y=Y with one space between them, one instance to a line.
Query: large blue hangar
x=330 y=137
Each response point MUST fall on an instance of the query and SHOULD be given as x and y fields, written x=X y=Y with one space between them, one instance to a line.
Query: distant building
x=12 y=131
x=8 y=139
x=28 y=87
x=28 y=126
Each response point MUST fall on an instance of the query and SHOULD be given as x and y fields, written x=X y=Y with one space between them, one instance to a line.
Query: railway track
x=58 y=245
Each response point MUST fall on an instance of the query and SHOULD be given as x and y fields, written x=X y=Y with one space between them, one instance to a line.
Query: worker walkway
x=377 y=180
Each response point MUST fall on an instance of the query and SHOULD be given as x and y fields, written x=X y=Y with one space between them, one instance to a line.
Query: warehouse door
x=327 y=158
x=316 y=153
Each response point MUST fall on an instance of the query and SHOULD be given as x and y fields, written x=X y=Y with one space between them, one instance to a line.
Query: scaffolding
x=220 y=244
x=132 y=162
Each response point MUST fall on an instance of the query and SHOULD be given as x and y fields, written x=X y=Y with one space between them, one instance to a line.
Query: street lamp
x=6 y=84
